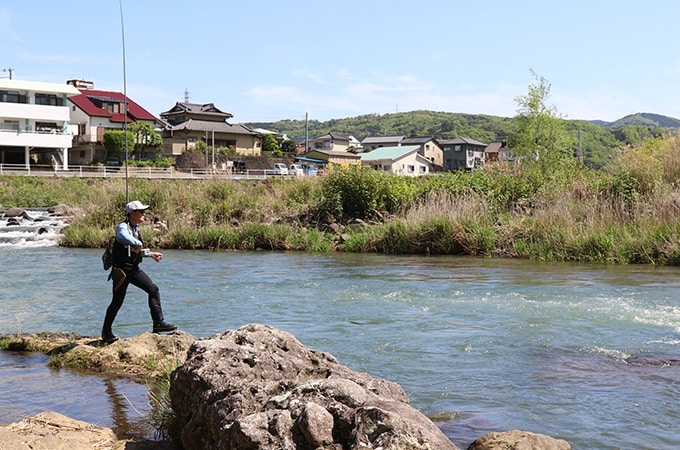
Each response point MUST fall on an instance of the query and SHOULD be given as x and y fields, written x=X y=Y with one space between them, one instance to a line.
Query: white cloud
x=673 y=69
x=6 y=28
x=366 y=88
x=52 y=58
x=309 y=75
x=379 y=93
x=274 y=93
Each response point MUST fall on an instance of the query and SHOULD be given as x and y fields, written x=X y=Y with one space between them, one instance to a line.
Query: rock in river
x=259 y=388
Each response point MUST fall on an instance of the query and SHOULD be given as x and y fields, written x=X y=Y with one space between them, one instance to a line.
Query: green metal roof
x=391 y=153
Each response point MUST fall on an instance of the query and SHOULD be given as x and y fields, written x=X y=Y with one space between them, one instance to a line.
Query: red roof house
x=94 y=112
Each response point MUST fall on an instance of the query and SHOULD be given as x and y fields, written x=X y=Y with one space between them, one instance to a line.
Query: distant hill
x=643 y=119
x=421 y=123
x=443 y=125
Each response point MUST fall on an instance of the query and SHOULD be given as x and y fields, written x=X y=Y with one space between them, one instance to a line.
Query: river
x=574 y=351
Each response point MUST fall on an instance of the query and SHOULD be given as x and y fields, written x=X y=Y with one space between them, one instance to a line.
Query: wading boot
x=160 y=327
x=108 y=337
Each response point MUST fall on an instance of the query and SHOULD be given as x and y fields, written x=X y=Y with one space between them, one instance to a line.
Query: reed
x=627 y=213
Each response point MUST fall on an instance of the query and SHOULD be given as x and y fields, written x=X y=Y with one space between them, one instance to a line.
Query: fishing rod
x=125 y=102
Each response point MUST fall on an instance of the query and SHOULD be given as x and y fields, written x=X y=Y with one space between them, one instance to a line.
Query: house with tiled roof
x=372 y=142
x=331 y=142
x=95 y=111
x=497 y=152
x=462 y=153
x=333 y=158
x=400 y=160
x=35 y=123
x=429 y=148
x=185 y=124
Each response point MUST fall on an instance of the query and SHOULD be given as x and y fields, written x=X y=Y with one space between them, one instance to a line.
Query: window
x=457 y=148
x=12 y=97
x=423 y=169
x=411 y=168
x=46 y=127
x=113 y=108
x=10 y=125
x=47 y=99
x=224 y=143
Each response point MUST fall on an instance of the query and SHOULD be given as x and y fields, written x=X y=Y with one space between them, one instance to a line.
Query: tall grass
x=627 y=213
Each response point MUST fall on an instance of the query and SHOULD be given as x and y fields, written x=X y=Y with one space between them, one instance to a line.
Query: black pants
x=121 y=280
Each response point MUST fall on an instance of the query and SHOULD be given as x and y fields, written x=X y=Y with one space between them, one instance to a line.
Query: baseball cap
x=135 y=205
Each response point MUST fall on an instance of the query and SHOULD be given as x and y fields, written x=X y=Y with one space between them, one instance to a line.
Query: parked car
x=280 y=169
x=296 y=170
x=239 y=167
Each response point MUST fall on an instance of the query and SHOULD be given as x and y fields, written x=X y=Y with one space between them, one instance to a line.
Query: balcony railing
x=46 y=138
x=104 y=171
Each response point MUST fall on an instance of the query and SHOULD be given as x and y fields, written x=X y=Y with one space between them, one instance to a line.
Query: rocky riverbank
x=252 y=388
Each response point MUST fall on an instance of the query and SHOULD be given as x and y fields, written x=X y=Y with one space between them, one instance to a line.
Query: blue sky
x=269 y=60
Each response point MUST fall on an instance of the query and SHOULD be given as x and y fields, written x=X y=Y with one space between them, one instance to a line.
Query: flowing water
x=587 y=353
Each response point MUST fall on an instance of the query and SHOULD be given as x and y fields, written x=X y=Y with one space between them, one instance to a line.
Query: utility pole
x=306 y=132
x=10 y=70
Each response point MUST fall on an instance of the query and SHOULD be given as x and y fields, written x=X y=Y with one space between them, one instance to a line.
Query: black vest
x=125 y=258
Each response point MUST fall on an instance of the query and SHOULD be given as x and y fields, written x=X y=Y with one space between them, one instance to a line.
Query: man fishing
x=128 y=251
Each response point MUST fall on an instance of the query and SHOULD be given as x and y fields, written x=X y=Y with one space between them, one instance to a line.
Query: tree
x=145 y=136
x=270 y=143
x=114 y=141
x=288 y=146
x=540 y=133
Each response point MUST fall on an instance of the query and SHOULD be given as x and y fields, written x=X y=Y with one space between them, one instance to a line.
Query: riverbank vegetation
x=628 y=212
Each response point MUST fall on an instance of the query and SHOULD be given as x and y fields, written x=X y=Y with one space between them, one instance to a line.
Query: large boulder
x=518 y=440
x=259 y=388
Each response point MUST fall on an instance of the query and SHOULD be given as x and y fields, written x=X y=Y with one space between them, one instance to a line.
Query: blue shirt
x=128 y=234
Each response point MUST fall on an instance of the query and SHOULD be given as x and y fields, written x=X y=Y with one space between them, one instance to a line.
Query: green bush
x=352 y=193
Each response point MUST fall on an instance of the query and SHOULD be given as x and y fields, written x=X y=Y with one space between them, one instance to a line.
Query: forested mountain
x=595 y=140
x=483 y=128
x=647 y=120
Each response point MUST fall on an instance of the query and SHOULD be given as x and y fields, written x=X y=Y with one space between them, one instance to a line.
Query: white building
x=34 y=122
x=400 y=160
